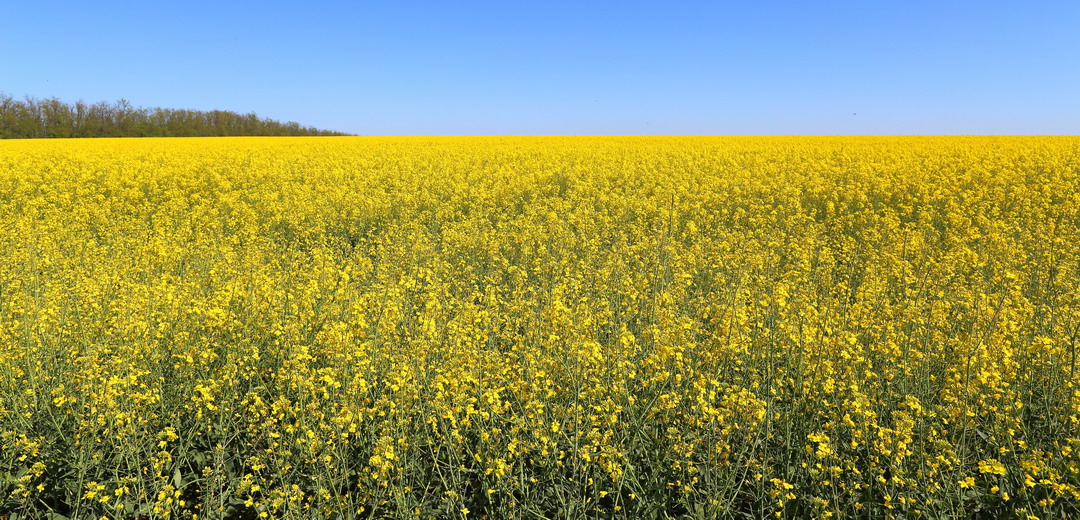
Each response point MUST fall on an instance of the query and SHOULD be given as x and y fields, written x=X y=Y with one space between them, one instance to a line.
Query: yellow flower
x=992 y=466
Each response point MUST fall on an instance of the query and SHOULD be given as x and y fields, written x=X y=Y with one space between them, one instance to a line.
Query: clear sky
x=515 y=67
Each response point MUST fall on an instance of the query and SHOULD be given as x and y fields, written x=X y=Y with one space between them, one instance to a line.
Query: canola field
x=540 y=327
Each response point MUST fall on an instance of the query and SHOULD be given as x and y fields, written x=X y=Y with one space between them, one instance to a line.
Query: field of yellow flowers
x=540 y=327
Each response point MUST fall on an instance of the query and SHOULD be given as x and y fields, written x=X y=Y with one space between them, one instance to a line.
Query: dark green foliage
x=37 y=118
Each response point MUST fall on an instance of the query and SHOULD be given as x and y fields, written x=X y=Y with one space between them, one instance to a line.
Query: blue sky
x=418 y=68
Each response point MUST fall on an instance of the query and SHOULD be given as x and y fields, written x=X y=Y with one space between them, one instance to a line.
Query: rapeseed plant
x=539 y=327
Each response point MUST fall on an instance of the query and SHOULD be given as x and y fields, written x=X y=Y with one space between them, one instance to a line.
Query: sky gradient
x=461 y=68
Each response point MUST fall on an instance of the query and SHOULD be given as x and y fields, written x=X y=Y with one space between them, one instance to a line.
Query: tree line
x=44 y=118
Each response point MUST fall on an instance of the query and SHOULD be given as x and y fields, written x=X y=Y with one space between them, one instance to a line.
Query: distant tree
x=78 y=119
x=7 y=116
x=56 y=118
x=52 y=118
